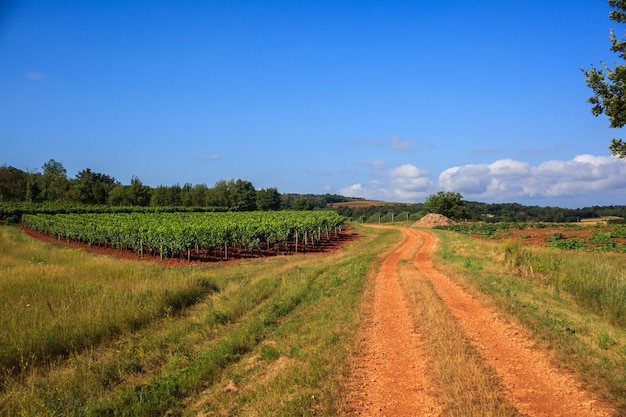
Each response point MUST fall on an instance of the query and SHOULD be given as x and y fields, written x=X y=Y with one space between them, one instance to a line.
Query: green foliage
x=400 y=211
x=90 y=187
x=245 y=195
x=449 y=204
x=55 y=182
x=315 y=201
x=301 y=204
x=13 y=184
x=601 y=241
x=267 y=199
x=609 y=86
x=171 y=234
x=559 y=241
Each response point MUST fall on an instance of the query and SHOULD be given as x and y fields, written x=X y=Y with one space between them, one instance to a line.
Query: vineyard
x=194 y=236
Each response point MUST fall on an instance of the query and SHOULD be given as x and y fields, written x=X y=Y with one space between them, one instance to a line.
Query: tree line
x=452 y=205
x=52 y=184
x=90 y=187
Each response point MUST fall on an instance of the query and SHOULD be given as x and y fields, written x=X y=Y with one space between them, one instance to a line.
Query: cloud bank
x=502 y=180
x=403 y=183
x=508 y=179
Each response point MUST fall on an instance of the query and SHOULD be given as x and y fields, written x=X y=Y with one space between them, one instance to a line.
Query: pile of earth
x=432 y=220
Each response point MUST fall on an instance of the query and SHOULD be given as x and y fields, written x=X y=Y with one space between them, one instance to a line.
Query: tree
x=135 y=194
x=245 y=195
x=33 y=190
x=55 y=182
x=166 y=196
x=222 y=194
x=267 y=199
x=198 y=195
x=609 y=88
x=186 y=198
x=448 y=204
x=139 y=194
x=91 y=187
x=13 y=184
x=301 y=204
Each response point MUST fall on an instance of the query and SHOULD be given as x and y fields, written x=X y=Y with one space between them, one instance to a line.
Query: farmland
x=191 y=234
x=84 y=334
x=585 y=236
x=93 y=335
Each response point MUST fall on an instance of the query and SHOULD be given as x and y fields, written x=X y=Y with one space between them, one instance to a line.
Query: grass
x=89 y=335
x=55 y=301
x=572 y=302
x=84 y=335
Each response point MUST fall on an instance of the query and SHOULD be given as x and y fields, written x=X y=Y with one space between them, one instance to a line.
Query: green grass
x=55 y=301
x=573 y=302
x=90 y=335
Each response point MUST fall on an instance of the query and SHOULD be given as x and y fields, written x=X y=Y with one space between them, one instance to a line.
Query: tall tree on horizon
x=55 y=182
x=609 y=85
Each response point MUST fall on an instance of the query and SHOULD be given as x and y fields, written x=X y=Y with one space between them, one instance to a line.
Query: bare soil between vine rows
x=389 y=372
x=202 y=257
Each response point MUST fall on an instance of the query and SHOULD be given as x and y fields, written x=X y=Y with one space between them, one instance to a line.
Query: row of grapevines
x=488 y=229
x=8 y=209
x=175 y=233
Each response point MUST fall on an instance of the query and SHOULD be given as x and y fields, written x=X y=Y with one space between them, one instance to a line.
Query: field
x=93 y=335
x=584 y=236
x=88 y=334
x=193 y=235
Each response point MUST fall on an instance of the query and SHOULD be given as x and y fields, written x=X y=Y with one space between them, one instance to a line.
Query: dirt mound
x=432 y=220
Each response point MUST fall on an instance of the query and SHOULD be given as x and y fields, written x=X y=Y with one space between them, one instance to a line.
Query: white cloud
x=402 y=183
x=510 y=179
x=585 y=178
x=408 y=171
x=357 y=190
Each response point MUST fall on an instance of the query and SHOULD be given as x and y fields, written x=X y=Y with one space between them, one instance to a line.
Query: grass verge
x=260 y=337
x=570 y=301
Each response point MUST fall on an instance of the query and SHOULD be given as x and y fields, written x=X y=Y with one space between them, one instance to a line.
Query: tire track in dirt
x=533 y=385
x=388 y=376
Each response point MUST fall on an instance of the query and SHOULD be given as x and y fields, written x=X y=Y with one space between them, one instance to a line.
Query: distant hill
x=358 y=203
x=487 y=212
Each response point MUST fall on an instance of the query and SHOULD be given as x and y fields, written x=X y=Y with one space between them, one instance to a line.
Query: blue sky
x=389 y=100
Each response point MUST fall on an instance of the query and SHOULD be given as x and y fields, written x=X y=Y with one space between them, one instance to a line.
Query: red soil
x=323 y=246
x=389 y=374
x=538 y=236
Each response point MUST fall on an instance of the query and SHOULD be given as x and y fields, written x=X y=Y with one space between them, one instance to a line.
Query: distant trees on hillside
x=89 y=187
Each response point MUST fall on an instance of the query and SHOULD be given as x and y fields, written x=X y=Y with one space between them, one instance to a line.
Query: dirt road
x=390 y=371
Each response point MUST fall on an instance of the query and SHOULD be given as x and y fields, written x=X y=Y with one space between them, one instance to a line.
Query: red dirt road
x=389 y=374
x=389 y=377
